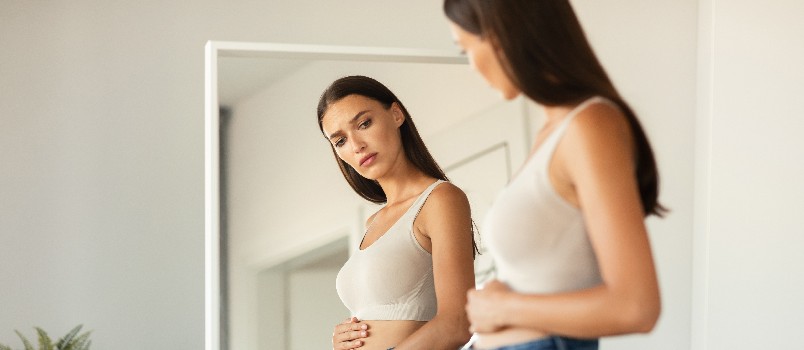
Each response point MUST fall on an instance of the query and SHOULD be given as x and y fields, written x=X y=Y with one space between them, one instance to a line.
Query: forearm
x=589 y=313
x=442 y=332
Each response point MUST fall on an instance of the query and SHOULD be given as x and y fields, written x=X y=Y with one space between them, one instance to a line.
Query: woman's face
x=483 y=58
x=365 y=134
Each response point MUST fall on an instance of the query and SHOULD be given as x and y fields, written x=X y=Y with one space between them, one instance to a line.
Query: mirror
x=280 y=218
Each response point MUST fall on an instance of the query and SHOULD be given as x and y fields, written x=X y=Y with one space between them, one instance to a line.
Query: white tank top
x=537 y=239
x=392 y=279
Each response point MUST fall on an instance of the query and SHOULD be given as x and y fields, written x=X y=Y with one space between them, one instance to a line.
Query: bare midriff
x=508 y=336
x=386 y=334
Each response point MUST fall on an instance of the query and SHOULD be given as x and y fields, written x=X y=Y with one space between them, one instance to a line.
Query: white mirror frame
x=216 y=49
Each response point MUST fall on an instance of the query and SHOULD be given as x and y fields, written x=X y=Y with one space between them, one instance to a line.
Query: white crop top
x=392 y=279
x=538 y=240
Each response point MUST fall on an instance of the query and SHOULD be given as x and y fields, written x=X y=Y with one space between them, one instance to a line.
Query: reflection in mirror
x=288 y=219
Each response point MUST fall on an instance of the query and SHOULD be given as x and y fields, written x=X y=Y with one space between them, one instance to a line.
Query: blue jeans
x=554 y=343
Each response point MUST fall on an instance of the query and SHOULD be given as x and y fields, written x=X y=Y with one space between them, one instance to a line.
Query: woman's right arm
x=348 y=334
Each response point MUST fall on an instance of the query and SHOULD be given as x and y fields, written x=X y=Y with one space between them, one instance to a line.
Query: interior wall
x=101 y=146
x=297 y=307
x=750 y=150
x=314 y=306
x=270 y=329
x=101 y=141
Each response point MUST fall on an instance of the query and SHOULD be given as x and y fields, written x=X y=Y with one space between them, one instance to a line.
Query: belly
x=386 y=334
x=508 y=336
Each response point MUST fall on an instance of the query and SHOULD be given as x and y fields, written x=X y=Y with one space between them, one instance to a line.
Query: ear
x=398 y=115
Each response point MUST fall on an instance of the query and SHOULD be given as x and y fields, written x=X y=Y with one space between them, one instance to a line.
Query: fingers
x=350 y=320
x=345 y=327
x=349 y=336
x=349 y=345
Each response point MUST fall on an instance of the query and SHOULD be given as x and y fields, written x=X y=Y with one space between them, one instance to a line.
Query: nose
x=357 y=144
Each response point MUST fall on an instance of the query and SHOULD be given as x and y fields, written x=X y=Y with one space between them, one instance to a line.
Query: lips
x=368 y=159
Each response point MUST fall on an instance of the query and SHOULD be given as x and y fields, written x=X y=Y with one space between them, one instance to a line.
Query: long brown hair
x=545 y=53
x=412 y=143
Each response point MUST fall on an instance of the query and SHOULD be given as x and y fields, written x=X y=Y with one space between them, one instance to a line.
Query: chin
x=368 y=175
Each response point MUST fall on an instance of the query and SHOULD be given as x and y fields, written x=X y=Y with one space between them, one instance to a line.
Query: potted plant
x=71 y=341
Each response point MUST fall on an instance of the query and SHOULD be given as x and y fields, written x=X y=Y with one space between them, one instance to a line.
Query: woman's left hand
x=483 y=307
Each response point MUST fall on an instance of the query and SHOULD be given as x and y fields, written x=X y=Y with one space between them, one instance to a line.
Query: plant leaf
x=45 y=343
x=64 y=342
x=25 y=341
x=4 y=347
x=80 y=343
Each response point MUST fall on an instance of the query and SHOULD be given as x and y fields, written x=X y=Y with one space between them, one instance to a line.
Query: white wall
x=297 y=308
x=312 y=309
x=101 y=152
x=750 y=231
x=101 y=146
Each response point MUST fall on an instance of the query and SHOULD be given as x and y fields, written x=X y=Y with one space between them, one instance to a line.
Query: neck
x=402 y=182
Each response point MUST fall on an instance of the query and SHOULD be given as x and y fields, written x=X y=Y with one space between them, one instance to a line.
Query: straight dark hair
x=545 y=53
x=412 y=143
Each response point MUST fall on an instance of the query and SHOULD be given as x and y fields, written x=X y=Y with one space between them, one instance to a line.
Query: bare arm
x=595 y=157
x=446 y=220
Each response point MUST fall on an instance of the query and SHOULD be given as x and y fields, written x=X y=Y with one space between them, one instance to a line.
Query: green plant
x=71 y=341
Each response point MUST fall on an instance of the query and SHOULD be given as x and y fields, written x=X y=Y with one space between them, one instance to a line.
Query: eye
x=339 y=142
x=365 y=124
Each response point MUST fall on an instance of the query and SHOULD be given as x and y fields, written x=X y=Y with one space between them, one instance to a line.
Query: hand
x=483 y=307
x=348 y=334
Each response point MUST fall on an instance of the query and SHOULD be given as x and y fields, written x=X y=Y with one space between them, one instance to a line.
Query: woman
x=567 y=233
x=406 y=285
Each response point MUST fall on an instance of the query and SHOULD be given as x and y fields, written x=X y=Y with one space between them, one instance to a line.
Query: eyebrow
x=338 y=132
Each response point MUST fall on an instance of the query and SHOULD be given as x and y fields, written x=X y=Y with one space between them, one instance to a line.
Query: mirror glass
x=288 y=219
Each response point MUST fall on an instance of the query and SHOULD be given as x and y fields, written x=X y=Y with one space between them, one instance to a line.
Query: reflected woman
x=406 y=285
x=567 y=234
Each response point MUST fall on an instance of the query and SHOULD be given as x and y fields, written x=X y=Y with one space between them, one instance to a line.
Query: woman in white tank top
x=407 y=283
x=567 y=234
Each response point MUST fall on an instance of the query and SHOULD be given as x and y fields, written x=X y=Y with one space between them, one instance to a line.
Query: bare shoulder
x=447 y=193
x=446 y=200
x=600 y=127
x=447 y=204
x=597 y=148
x=600 y=119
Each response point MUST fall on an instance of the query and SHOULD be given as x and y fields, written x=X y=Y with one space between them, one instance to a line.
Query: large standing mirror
x=280 y=218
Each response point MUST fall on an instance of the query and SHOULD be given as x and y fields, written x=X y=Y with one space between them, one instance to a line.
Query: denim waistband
x=552 y=343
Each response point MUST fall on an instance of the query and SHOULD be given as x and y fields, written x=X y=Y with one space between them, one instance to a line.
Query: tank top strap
x=552 y=140
x=416 y=207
